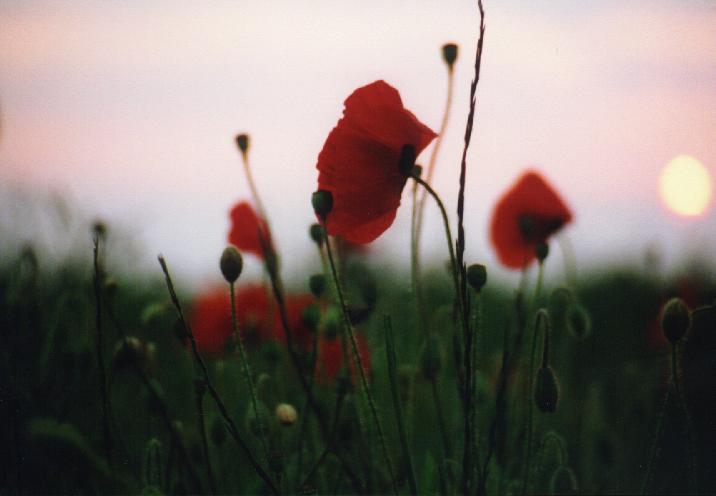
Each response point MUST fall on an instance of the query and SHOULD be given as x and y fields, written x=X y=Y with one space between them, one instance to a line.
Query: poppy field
x=362 y=378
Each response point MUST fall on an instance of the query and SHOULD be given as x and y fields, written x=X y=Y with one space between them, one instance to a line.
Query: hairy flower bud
x=231 y=264
x=322 y=201
x=541 y=251
x=675 y=320
x=132 y=351
x=318 y=234
x=477 y=276
x=450 y=54
x=242 y=141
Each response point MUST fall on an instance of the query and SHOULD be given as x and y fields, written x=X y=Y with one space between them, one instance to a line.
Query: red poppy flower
x=529 y=213
x=359 y=161
x=245 y=227
x=330 y=357
x=295 y=307
x=210 y=318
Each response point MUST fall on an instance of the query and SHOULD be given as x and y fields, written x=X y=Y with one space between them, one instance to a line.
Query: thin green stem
x=204 y=443
x=359 y=365
x=530 y=400
x=448 y=236
x=106 y=412
x=655 y=446
x=233 y=430
x=247 y=370
x=687 y=420
x=252 y=187
x=392 y=374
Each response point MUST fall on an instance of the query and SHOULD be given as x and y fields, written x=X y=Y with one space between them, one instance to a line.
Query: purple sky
x=129 y=109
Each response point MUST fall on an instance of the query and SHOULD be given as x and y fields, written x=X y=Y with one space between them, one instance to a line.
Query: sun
x=685 y=186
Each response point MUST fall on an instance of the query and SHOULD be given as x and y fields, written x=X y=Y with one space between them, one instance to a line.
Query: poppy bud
x=417 y=170
x=242 y=141
x=286 y=414
x=546 y=390
x=541 y=251
x=477 y=276
x=406 y=163
x=311 y=316
x=450 y=54
x=317 y=233
x=579 y=323
x=231 y=264
x=132 y=350
x=317 y=284
x=430 y=358
x=218 y=431
x=675 y=320
x=99 y=229
x=322 y=201
x=331 y=323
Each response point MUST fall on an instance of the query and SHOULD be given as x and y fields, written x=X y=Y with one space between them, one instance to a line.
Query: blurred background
x=127 y=111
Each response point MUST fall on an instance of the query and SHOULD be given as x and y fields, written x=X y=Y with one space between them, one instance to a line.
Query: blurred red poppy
x=245 y=227
x=330 y=357
x=210 y=318
x=296 y=306
x=359 y=161
x=527 y=214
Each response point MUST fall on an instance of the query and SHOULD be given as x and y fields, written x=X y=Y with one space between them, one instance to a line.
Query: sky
x=128 y=110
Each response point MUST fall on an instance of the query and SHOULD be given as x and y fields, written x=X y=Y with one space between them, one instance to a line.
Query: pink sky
x=131 y=109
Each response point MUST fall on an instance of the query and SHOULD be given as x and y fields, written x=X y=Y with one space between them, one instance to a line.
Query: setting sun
x=685 y=186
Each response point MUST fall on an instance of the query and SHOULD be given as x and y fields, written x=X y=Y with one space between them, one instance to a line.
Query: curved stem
x=254 y=190
x=448 y=235
x=418 y=209
x=359 y=365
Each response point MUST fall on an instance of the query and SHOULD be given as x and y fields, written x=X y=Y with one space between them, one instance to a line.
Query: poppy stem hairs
x=230 y=424
x=246 y=367
x=322 y=202
x=106 y=412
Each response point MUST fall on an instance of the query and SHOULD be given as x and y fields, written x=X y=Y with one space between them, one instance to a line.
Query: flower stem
x=530 y=397
x=202 y=431
x=687 y=419
x=448 y=235
x=233 y=430
x=359 y=365
x=392 y=374
x=247 y=369
x=106 y=413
